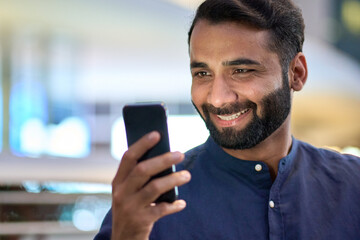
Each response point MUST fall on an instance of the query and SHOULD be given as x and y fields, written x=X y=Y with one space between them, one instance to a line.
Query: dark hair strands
x=281 y=17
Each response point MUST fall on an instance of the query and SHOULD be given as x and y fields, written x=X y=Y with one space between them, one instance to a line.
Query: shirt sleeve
x=105 y=229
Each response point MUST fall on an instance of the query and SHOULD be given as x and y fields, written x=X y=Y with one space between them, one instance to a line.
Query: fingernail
x=180 y=203
x=152 y=135
x=176 y=155
x=185 y=175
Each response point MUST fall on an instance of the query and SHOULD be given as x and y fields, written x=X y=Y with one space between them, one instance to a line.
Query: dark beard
x=276 y=107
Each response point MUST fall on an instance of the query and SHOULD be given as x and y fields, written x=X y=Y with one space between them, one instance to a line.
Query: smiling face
x=238 y=85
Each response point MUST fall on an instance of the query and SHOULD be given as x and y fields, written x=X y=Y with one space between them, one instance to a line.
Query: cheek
x=256 y=95
x=198 y=95
x=260 y=105
x=260 y=99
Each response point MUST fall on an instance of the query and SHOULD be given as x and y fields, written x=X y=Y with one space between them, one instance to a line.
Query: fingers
x=132 y=195
x=162 y=209
x=143 y=171
x=131 y=156
x=130 y=224
x=151 y=191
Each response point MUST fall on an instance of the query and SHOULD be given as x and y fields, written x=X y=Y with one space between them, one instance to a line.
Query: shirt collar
x=286 y=162
x=248 y=169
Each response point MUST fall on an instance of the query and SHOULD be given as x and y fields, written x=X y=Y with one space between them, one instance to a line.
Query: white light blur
x=70 y=138
x=118 y=139
x=33 y=137
x=77 y=187
x=85 y=220
x=89 y=211
x=185 y=132
x=351 y=150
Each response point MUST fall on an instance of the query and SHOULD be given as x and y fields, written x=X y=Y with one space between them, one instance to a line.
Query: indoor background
x=68 y=67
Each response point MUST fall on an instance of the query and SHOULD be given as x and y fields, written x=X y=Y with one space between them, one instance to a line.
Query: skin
x=132 y=208
x=229 y=62
x=236 y=66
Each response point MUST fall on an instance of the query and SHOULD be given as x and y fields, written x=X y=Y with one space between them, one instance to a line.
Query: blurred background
x=68 y=67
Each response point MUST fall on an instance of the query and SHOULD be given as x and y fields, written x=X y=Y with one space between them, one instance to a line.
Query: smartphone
x=142 y=118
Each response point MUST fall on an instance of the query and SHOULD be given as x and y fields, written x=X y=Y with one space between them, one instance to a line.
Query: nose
x=221 y=92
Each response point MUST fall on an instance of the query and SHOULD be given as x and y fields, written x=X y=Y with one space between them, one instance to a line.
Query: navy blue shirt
x=316 y=195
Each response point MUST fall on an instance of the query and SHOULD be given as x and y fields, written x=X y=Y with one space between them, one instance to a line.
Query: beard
x=276 y=107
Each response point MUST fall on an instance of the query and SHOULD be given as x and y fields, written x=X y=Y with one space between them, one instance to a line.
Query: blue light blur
x=27 y=101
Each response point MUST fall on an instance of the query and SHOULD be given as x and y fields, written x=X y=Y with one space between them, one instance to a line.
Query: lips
x=233 y=116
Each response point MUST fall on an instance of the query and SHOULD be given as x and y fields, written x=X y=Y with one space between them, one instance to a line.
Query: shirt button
x=271 y=204
x=258 y=167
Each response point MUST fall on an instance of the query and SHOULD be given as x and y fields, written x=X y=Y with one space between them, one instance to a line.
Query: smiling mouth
x=233 y=116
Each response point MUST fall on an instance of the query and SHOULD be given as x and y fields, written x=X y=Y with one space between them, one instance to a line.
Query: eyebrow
x=198 y=65
x=240 y=61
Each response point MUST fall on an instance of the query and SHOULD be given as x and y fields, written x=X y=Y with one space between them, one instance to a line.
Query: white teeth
x=244 y=111
x=233 y=116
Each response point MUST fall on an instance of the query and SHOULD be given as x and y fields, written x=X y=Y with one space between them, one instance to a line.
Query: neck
x=269 y=151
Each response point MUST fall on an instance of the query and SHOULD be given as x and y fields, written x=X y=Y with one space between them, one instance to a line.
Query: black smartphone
x=142 y=118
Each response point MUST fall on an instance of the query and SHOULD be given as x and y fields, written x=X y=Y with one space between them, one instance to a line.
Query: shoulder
x=326 y=154
x=332 y=161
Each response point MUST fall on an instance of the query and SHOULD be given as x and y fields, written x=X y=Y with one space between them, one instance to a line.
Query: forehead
x=228 y=40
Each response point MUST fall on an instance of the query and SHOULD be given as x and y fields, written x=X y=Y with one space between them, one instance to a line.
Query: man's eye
x=201 y=74
x=242 y=70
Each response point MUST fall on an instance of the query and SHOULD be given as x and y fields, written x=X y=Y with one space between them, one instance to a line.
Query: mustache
x=228 y=108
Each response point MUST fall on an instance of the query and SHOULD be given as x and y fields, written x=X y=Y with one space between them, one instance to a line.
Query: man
x=251 y=179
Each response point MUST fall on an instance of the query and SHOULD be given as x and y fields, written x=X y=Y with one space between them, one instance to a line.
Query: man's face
x=238 y=85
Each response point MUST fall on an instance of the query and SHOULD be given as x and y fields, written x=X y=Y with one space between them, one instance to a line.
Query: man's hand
x=133 y=210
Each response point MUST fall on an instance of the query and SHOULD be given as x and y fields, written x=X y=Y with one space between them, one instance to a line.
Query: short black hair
x=281 y=17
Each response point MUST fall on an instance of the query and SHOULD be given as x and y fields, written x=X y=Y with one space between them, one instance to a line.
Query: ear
x=298 y=72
